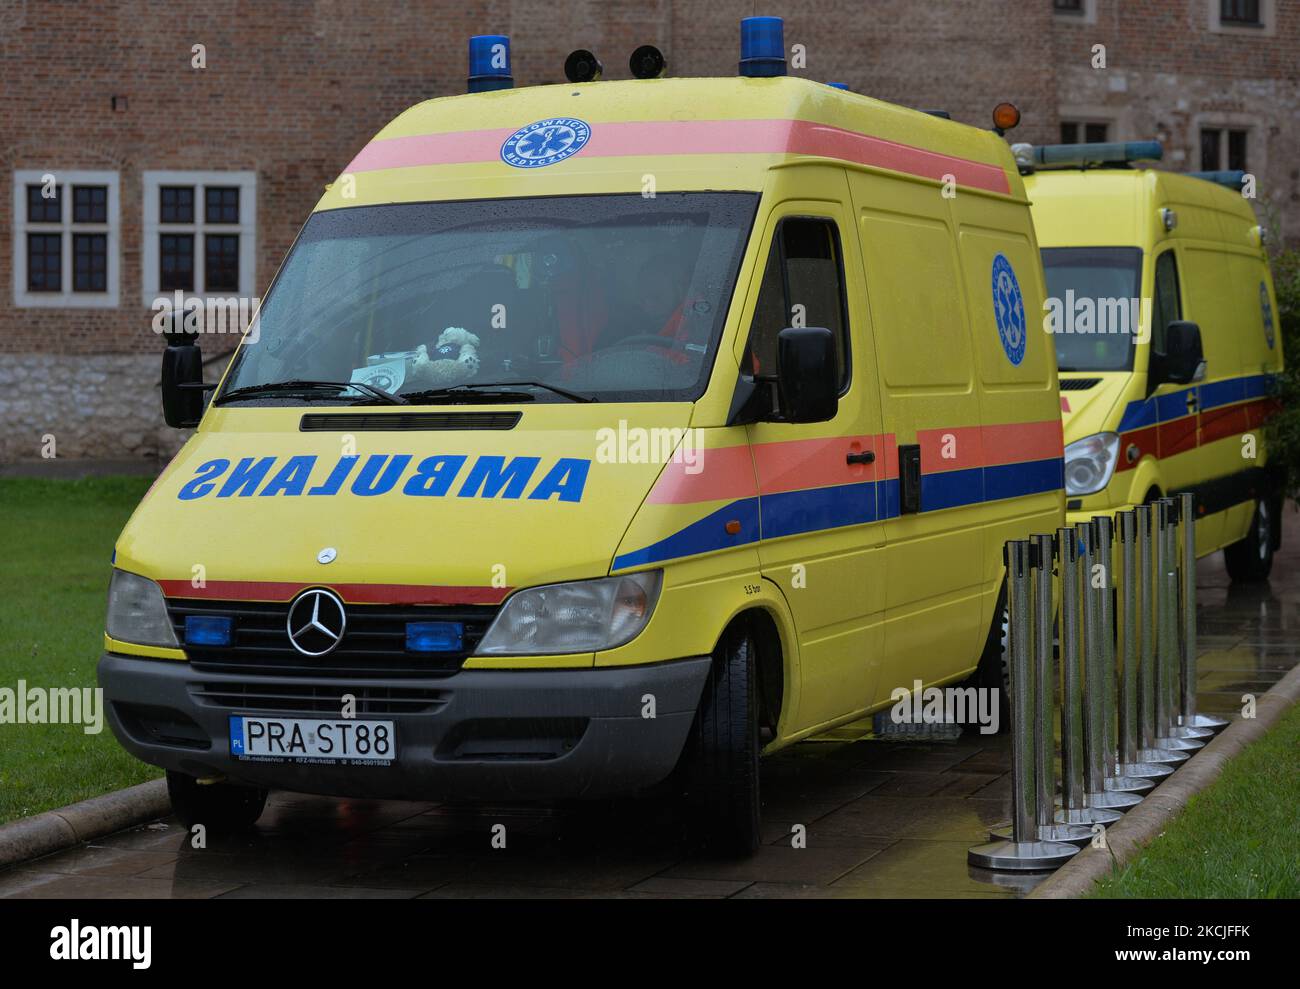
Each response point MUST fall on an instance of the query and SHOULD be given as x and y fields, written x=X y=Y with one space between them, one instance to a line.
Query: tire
x=1251 y=559
x=720 y=774
x=222 y=808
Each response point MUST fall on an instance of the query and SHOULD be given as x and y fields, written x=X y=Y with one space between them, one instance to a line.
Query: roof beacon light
x=1090 y=155
x=1231 y=179
x=647 y=62
x=762 y=47
x=1005 y=117
x=582 y=66
x=838 y=85
x=489 y=63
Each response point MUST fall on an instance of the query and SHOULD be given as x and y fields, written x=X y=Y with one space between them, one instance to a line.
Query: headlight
x=583 y=616
x=1090 y=462
x=137 y=611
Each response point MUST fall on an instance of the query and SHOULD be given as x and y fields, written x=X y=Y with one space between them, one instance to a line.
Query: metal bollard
x=1074 y=805
x=1096 y=778
x=1105 y=665
x=1166 y=633
x=1148 y=611
x=1131 y=599
x=1025 y=851
x=1187 y=715
x=1041 y=571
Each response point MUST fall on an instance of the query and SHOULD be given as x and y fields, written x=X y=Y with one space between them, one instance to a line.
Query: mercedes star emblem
x=316 y=622
x=327 y=555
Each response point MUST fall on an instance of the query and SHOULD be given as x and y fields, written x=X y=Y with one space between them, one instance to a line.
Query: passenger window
x=1165 y=306
x=805 y=269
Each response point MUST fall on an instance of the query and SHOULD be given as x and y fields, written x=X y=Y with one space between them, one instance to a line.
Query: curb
x=1129 y=836
x=55 y=830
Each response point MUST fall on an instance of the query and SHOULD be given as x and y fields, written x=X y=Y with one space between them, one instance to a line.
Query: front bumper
x=478 y=734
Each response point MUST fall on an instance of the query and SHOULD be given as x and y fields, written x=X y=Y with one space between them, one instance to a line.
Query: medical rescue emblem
x=1009 y=310
x=545 y=142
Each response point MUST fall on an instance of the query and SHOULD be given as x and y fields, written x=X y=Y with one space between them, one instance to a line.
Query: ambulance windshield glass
x=610 y=298
x=1093 y=310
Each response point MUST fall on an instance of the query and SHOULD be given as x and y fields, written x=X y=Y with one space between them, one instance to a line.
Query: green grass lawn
x=1237 y=838
x=57 y=537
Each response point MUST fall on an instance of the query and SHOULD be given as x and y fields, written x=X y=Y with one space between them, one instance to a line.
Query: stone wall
x=104 y=406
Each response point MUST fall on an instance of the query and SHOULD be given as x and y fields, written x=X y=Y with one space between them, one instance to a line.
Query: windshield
x=603 y=298
x=1093 y=306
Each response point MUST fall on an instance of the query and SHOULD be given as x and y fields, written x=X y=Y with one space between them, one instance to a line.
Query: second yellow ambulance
x=1163 y=313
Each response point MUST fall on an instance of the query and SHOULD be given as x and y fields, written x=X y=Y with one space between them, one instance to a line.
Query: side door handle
x=867 y=457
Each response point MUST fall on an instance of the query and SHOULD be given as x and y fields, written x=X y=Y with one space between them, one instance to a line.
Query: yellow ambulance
x=1162 y=309
x=592 y=436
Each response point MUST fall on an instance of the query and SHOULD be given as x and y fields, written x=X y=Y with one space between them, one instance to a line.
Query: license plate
x=337 y=742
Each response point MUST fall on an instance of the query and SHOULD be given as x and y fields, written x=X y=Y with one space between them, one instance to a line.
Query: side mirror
x=807 y=381
x=182 y=385
x=1183 y=359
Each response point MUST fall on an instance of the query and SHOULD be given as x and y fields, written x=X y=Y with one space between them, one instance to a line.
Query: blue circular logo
x=544 y=142
x=1009 y=310
x=1266 y=309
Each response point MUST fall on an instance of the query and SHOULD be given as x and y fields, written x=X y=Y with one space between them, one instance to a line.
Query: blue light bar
x=489 y=63
x=434 y=636
x=1231 y=179
x=762 y=47
x=1088 y=155
x=838 y=85
x=209 y=630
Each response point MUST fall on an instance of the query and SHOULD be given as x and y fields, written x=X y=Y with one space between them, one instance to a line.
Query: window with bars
x=1084 y=132
x=65 y=238
x=1240 y=13
x=1223 y=147
x=199 y=233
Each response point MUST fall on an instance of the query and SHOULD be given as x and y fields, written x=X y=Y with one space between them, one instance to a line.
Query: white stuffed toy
x=454 y=360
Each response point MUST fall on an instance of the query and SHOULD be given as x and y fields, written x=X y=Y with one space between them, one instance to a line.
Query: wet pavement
x=884 y=816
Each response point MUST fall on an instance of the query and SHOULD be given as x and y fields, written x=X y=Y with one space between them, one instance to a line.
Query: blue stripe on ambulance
x=790 y=513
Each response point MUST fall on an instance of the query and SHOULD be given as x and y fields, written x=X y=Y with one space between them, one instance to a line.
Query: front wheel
x=222 y=808
x=1251 y=559
x=720 y=761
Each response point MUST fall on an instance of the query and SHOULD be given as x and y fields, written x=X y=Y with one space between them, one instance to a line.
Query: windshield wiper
x=469 y=391
x=298 y=385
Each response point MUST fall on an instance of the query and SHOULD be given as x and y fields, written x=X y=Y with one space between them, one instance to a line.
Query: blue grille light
x=489 y=63
x=434 y=636
x=762 y=46
x=209 y=630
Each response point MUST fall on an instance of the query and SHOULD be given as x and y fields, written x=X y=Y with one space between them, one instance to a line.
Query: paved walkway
x=884 y=817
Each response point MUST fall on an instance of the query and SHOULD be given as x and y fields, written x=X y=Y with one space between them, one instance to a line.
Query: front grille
x=263 y=694
x=374 y=643
x=1079 y=384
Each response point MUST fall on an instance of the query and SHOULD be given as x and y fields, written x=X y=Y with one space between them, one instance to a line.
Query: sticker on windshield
x=1009 y=310
x=1266 y=308
x=388 y=375
x=545 y=142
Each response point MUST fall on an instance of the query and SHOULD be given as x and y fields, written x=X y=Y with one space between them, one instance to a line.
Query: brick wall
x=293 y=89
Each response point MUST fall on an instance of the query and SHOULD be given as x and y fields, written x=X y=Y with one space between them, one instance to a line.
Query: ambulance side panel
x=934 y=558
x=1021 y=436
